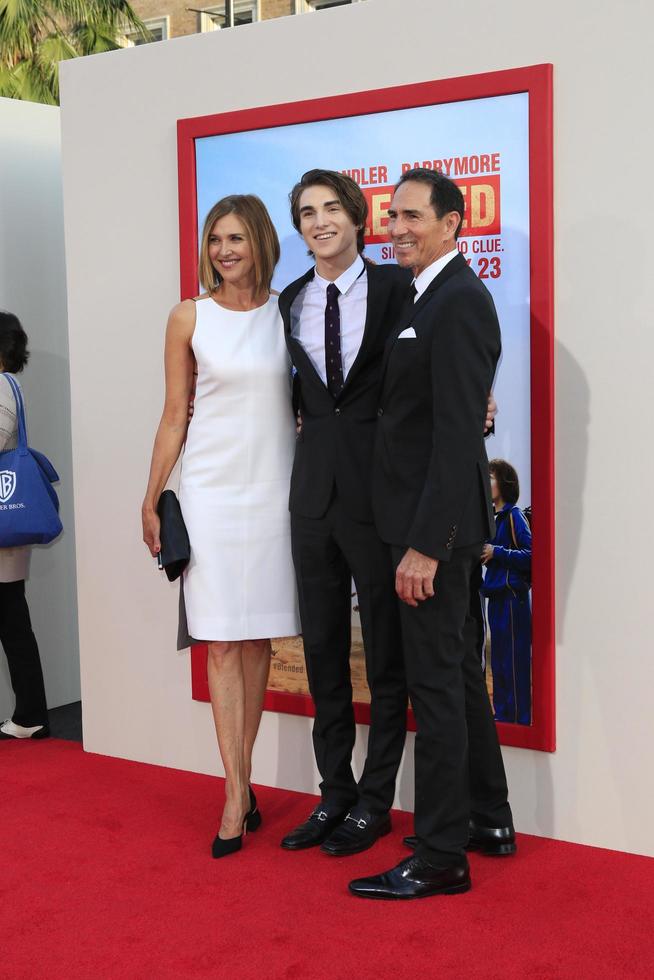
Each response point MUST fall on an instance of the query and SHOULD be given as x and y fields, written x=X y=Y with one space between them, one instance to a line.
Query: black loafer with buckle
x=358 y=832
x=316 y=829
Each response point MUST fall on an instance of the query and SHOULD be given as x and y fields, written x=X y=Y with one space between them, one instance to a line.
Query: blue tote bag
x=29 y=507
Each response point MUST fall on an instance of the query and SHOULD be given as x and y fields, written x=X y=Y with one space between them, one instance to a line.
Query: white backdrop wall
x=33 y=286
x=120 y=176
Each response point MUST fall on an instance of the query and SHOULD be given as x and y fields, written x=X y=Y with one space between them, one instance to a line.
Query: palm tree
x=35 y=37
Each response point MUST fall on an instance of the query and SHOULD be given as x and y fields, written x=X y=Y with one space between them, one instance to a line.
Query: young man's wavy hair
x=346 y=190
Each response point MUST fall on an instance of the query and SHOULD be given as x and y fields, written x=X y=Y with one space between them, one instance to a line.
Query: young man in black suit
x=337 y=318
x=432 y=505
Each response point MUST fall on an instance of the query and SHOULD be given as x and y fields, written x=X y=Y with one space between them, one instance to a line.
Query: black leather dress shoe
x=358 y=832
x=316 y=829
x=490 y=841
x=414 y=878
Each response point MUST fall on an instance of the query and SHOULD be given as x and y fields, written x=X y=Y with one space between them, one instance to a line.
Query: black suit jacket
x=336 y=443
x=431 y=488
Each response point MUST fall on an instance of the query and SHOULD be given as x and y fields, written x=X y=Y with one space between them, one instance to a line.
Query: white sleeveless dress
x=236 y=469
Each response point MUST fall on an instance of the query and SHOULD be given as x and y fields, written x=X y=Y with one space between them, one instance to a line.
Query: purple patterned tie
x=333 y=359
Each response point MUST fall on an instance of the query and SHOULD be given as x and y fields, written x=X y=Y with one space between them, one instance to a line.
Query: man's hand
x=191 y=401
x=298 y=424
x=487 y=553
x=414 y=578
x=491 y=412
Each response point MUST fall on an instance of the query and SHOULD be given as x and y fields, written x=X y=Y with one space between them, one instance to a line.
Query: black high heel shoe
x=221 y=846
x=253 y=816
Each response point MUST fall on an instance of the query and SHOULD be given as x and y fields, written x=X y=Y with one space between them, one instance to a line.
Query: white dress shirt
x=308 y=316
x=428 y=275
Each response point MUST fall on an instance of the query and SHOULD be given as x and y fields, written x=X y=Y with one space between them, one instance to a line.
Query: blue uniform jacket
x=509 y=570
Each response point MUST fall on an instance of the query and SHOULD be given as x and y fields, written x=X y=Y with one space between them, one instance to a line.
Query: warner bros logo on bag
x=7 y=485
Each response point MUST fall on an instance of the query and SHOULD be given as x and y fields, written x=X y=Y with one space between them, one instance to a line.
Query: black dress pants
x=328 y=553
x=488 y=787
x=458 y=764
x=22 y=654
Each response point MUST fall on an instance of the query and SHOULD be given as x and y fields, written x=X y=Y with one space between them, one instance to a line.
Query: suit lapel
x=289 y=296
x=453 y=266
x=298 y=354
x=379 y=288
x=412 y=310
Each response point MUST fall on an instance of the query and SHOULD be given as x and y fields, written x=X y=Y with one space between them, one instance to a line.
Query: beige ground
x=288 y=673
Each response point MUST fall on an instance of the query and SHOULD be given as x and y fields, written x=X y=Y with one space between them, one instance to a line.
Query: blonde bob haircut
x=260 y=230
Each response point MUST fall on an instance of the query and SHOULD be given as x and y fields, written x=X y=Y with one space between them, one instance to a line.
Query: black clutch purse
x=175 y=546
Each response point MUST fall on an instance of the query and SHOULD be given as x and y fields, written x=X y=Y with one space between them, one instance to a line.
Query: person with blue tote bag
x=28 y=513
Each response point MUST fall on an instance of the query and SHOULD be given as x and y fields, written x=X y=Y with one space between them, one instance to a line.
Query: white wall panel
x=120 y=177
x=33 y=286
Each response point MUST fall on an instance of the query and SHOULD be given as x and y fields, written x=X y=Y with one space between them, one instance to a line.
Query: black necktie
x=409 y=300
x=333 y=359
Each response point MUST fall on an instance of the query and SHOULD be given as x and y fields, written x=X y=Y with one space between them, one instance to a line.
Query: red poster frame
x=536 y=80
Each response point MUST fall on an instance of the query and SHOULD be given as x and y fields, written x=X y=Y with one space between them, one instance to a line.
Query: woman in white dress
x=239 y=586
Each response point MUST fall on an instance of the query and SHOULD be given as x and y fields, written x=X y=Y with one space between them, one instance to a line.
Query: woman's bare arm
x=179 y=366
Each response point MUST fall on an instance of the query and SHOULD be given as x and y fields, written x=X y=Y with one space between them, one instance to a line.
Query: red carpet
x=105 y=872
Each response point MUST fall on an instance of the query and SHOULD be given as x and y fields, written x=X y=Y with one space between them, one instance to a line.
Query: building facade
x=174 y=18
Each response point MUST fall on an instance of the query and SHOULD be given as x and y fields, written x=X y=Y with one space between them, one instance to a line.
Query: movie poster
x=482 y=144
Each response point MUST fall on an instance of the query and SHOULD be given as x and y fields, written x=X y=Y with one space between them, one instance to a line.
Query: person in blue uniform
x=507 y=583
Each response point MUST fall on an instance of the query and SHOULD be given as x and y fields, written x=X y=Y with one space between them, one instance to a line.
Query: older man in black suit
x=432 y=505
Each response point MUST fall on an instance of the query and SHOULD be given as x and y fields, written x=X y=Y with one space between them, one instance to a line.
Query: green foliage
x=35 y=37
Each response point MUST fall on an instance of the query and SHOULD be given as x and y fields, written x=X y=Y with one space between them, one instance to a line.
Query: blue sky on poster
x=267 y=162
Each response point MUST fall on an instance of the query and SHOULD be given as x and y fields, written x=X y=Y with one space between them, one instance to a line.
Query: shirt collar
x=346 y=279
x=428 y=275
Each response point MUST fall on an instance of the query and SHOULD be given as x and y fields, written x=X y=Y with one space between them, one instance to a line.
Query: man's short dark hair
x=347 y=191
x=445 y=195
x=507 y=480
x=14 y=354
